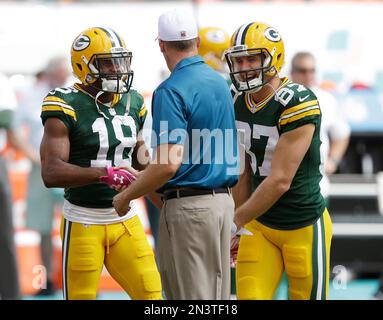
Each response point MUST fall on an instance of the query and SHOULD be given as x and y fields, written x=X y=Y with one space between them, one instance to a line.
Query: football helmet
x=249 y=40
x=101 y=54
x=213 y=43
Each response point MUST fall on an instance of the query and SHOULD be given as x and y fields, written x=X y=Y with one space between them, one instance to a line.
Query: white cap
x=177 y=25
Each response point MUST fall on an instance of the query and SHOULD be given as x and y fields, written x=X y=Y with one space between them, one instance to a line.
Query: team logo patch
x=81 y=43
x=183 y=34
x=272 y=35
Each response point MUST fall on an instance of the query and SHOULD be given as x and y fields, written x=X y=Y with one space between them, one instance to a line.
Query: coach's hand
x=121 y=204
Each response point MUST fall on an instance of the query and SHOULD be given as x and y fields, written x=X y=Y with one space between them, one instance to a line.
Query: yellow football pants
x=122 y=247
x=303 y=253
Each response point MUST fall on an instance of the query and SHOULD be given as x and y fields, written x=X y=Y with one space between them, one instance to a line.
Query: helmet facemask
x=254 y=79
x=112 y=70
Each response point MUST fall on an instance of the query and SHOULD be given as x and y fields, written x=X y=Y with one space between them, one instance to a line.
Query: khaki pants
x=194 y=247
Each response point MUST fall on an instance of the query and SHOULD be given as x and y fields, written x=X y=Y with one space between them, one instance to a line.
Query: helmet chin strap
x=98 y=107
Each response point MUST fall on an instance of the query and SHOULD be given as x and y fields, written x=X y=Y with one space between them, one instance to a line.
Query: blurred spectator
x=40 y=200
x=335 y=131
x=9 y=282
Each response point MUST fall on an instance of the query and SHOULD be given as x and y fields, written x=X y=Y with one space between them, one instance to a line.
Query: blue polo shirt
x=194 y=107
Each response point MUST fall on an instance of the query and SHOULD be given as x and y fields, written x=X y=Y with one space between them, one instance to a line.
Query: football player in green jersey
x=278 y=197
x=87 y=127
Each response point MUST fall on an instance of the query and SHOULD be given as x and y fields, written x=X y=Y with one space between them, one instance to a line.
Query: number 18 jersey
x=98 y=137
x=259 y=128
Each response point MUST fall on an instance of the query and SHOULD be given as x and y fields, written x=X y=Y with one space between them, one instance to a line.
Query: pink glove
x=117 y=177
x=234 y=245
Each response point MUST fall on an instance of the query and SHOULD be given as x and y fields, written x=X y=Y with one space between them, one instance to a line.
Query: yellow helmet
x=100 y=59
x=214 y=42
x=253 y=39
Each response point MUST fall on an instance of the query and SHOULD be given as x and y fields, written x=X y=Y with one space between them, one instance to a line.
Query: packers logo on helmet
x=260 y=44
x=81 y=43
x=272 y=34
x=100 y=59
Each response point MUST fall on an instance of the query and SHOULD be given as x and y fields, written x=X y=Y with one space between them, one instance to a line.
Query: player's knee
x=151 y=285
x=249 y=249
x=249 y=253
x=84 y=255
x=297 y=262
x=248 y=288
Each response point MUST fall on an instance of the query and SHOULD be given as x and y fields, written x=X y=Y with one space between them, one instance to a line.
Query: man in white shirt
x=335 y=131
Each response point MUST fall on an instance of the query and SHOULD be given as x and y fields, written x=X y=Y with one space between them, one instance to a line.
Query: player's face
x=248 y=62
x=114 y=65
x=303 y=72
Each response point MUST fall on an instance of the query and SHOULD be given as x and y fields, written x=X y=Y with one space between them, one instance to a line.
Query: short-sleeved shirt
x=260 y=125
x=98 y=137
x=194 y=108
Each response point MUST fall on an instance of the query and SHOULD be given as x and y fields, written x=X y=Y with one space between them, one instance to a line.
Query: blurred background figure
x=214 y=42
x=335 y=131
x=9 y=282
x=41 y=201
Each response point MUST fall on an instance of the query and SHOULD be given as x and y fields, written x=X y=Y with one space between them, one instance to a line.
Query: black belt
x=180 y=193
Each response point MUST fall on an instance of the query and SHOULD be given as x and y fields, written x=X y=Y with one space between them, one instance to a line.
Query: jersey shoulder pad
x=59 y=102
x=137 y=104
x=298 y=103
x=136 y=96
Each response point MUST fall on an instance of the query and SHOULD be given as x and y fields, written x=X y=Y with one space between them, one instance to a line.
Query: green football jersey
x=98 y=137
x=259 y=128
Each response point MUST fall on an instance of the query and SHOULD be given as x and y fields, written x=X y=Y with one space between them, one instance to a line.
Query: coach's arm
x=168 y=158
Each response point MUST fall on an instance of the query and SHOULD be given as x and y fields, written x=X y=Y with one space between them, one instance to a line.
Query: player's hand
x=234 y=245
x=119 y=188
x=131 y=170
x=121 y=204
x=235 y=238
x=117 y=177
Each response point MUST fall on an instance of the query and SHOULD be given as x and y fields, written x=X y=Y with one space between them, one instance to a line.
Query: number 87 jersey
x=259 y=127
x=99 y=136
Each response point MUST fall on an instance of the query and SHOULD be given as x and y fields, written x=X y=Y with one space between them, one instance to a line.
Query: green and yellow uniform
x=93 y=234
x=97 y=137
x=295 y=233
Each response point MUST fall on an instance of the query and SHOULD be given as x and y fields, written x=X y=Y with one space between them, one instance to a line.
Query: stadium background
x=343 y=35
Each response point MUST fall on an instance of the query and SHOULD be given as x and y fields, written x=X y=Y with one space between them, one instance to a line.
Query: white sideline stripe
x=353 y=189
x=357 y=229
